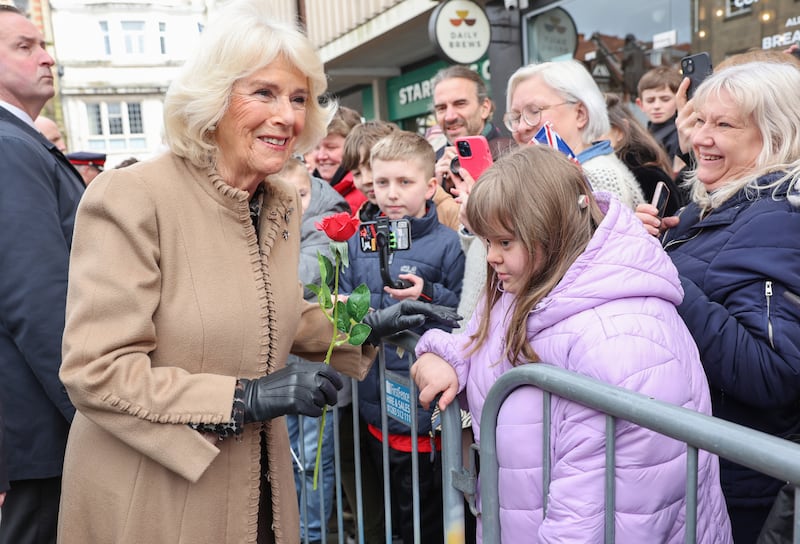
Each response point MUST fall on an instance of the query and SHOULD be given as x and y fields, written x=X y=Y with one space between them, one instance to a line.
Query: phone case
x=398 y=235
x=660 y=198
x=473 y=154
x=696 y=67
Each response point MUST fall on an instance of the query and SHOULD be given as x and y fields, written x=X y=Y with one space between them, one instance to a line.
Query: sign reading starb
x=460 y=31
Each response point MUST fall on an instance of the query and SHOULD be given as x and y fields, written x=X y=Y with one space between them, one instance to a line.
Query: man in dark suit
x=39 y=193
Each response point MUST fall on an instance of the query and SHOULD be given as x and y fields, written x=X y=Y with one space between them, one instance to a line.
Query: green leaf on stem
x=325 y=270
x=324 y=297
x=359 y=334
x=314 y=288
x=358 y=302
x=342 y=317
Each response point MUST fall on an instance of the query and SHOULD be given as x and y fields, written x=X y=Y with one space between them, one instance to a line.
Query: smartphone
x=398 y=235
x=473 y=154
x=697 y=68
x=660 y=198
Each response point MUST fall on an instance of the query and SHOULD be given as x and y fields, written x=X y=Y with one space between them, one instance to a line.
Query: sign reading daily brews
x=460 y=31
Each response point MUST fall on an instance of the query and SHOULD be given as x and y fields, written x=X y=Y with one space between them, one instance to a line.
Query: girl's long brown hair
x=532 y=193
x=636 y=139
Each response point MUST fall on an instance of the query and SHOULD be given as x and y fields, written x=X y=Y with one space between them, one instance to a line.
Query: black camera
x=455 y=164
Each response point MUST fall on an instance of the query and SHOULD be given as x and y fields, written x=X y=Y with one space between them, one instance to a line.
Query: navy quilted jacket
x=435 y=255
x=735 y=264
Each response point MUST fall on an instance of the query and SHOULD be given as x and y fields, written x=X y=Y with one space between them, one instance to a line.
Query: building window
x=162 y=37
x=115 y=126
x=133 y=37
x=106 y=37
x=135 y=118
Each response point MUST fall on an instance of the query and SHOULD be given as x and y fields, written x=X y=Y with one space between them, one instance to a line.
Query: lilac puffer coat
x=612 y=318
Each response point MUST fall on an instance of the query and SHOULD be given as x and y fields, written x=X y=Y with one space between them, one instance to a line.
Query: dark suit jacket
x=39 y=194
x=3 y=470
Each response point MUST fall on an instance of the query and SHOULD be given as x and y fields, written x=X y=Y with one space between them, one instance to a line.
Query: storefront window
x=617 y=44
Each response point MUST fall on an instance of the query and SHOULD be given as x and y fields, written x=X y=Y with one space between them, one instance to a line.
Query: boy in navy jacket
x=404 y=183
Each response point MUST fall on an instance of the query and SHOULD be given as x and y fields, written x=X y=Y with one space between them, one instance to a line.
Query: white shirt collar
x=16 y=112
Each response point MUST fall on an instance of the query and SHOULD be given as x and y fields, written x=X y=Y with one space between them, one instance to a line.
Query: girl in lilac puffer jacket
x=575 y=281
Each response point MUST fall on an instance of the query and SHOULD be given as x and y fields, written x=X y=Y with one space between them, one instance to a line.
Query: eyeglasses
x=530 y=114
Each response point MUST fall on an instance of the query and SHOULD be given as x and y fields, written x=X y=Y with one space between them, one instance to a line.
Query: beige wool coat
x=170 y=300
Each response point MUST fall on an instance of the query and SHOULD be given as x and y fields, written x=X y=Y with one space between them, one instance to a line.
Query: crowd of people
x=161 y=377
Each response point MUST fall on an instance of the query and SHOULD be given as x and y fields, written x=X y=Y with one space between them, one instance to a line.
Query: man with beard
x=463 y=108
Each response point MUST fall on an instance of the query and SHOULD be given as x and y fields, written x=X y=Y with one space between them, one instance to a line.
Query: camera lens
x=455 y=165
x=464 y=149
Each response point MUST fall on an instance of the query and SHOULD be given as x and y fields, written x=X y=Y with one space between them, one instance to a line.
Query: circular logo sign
x=460 y=31
x=551 y=36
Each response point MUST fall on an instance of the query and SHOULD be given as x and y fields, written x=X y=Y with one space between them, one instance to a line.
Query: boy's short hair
x=292 y=166
x=658 y=77
x=359 y=142
x=403 y=145
x=343 y=121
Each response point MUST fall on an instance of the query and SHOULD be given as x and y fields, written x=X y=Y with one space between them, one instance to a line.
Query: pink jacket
x=612 y=317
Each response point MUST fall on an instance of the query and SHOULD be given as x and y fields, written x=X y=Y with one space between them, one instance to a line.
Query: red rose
x=339 y=227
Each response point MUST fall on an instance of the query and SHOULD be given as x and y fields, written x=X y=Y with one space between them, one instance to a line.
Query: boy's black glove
x=302 y=388
x=407 y=315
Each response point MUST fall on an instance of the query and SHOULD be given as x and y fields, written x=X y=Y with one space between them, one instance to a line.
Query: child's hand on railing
x=434 y=375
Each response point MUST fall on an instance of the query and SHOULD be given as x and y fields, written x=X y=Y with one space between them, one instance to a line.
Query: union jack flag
x=547 y=135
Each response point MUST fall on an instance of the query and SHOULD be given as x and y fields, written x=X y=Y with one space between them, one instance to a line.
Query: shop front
x=727 y=27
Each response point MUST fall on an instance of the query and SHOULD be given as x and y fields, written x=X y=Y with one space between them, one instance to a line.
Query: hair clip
x=583 y=202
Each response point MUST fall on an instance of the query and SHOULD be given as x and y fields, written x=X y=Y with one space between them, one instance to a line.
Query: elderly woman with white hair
x=564 y=94
x=737 y=250
x=184 y=304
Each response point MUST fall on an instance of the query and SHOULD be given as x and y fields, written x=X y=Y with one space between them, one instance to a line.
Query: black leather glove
x=407 y=315
x=302 y=388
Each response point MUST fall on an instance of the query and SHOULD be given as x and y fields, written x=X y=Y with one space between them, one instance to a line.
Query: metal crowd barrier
x=754 y=449
x=759 y=451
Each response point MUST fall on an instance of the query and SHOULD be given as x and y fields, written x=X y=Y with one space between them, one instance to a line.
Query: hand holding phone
x=697 y=68
x=660 y=198
x=386 y=237
x=473 y=154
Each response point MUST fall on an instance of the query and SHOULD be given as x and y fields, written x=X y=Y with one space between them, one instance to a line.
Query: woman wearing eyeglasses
x=564 y=94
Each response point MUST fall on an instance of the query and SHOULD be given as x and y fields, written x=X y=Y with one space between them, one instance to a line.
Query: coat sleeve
x=750 y=341
x=453 y=348
x=447 y=208
x=34 y=249
x=114 y=291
